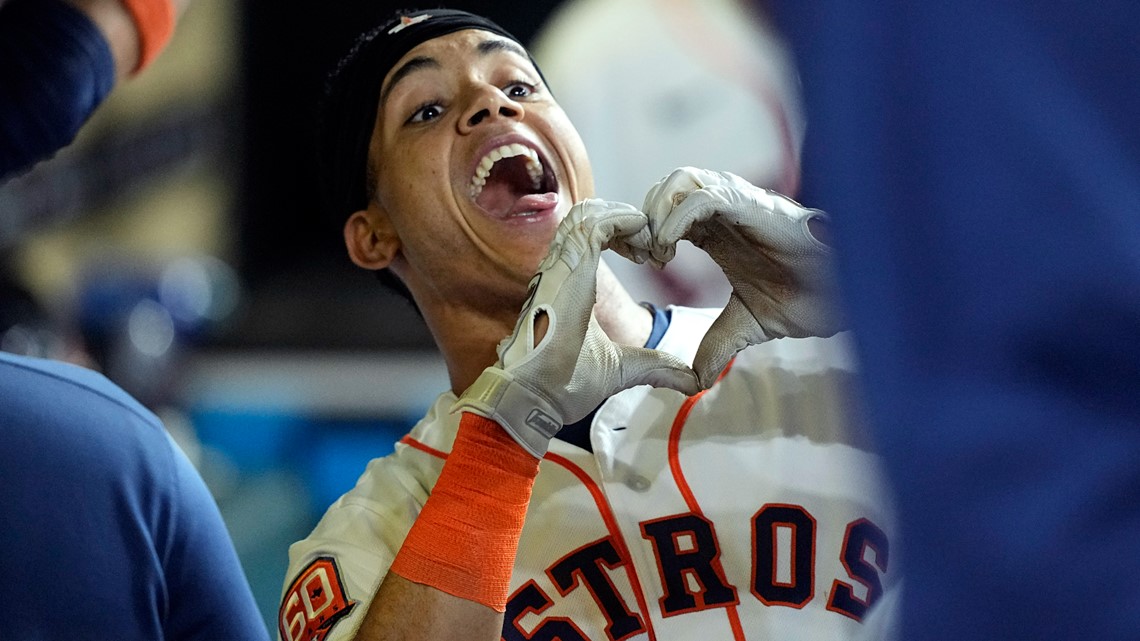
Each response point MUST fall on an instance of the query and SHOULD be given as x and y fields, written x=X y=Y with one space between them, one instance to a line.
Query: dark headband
x=352 y=97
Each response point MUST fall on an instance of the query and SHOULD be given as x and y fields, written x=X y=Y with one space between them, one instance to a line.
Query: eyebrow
x=419 y=62
x=498 y=44
x=485 y=48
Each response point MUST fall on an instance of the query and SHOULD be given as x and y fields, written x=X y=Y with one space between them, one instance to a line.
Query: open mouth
x=512 y=180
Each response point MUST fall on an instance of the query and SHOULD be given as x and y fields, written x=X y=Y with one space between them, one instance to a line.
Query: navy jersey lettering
x=530 y=598
x=861 y=535
x=772 y=586
x=584 y=565
x=686 y=547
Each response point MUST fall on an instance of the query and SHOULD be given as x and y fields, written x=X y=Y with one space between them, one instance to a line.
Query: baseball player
x=574 y=484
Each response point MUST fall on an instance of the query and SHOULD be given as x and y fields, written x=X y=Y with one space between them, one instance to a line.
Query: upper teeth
x=533 y=165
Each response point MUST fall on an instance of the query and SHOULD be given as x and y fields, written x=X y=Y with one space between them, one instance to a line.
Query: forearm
x=437 y=615
x=114 y=22
x=454 y=567
x=135 y=30
x=55 y=68
x=59 y=59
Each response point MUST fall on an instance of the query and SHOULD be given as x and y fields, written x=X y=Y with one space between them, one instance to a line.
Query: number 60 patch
x=314 y=602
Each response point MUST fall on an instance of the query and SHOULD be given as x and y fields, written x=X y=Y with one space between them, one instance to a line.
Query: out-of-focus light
x=197 y=290
x=28 y=340
x=150 y=328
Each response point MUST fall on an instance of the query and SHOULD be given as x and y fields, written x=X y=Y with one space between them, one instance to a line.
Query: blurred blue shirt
x=109 y=532
x=982 y=164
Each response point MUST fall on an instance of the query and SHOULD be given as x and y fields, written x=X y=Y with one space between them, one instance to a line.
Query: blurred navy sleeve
x=982 y=164
x=209 y=595
x=109 y=532
x=55 y=69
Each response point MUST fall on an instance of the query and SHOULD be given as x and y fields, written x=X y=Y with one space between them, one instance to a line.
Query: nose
x=489 y=104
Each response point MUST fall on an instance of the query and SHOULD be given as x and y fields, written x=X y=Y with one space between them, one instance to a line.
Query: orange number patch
x=313 y=603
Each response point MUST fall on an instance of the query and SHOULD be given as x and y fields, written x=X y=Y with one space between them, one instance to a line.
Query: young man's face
x=475 y=165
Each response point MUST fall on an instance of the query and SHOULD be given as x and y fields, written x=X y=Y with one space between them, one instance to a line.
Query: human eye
x=426 y=112
x=519 y=89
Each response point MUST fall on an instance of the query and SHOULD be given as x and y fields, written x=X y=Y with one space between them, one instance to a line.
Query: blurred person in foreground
x=109 y=533
x=59 y=59
x=982 y=161
x=575 y=482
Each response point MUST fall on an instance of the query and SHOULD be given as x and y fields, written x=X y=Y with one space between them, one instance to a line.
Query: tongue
x=501 y=201
x=535 y=202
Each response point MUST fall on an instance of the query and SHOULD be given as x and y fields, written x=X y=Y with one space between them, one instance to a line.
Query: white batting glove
x=534 y=389
x=780 y=274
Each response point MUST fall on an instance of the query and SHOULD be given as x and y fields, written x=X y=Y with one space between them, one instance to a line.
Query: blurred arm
x=114 y=22
x=59 y=59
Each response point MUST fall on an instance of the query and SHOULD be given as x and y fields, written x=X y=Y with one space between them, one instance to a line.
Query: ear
x=371 y=240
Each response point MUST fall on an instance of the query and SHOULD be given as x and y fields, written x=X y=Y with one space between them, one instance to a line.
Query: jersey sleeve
x=56 y=68
x=210 y=597
x=334 y=572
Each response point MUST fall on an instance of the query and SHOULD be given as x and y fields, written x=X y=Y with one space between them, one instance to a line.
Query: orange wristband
x=465 y=540
x=154 y=22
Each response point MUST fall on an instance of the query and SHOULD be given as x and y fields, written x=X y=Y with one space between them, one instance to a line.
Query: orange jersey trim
x=691 y=500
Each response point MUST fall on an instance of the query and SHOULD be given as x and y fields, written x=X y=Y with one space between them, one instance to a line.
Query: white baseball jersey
x=752 y=511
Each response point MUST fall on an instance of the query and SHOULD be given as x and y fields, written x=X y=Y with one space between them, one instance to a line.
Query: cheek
x=561 y=127
x=576 y=157
x=411 y=167
x=412 y=189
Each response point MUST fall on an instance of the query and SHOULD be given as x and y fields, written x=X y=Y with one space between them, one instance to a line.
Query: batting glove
x=780 y=274
x=536 y=387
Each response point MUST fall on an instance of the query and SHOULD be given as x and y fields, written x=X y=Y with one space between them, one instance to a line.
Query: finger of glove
x=769 y=219
x=565 y=286
x=601 y=223
x=643 y=366
x=637 y=248
x=597 y=223
x=732 y=331
x=591 y=223
x=697 y=207
x=587 y=229
x=674 y=188
x=663 y=197
x=634 y=247
x=611 y=222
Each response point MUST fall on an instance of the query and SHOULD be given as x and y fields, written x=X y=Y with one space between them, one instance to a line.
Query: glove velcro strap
x=529 y=418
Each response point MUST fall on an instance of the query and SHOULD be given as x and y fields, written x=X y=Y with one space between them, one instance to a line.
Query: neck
x=622 y=318
x=467 y=337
